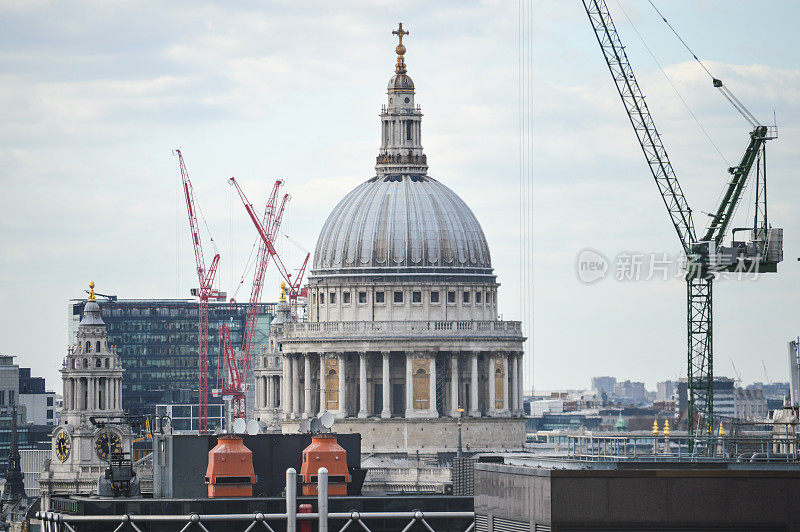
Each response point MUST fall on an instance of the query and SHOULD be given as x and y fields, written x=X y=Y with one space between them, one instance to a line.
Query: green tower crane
x=705 y=256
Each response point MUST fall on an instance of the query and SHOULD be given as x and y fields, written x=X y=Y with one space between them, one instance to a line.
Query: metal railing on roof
x=772 y=448
x=405 y=520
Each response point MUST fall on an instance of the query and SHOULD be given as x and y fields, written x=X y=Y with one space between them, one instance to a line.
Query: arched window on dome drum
x=98 y=363
x=97 y=346
x=88 y=346
x=408 y=130
x=85 y=363
x=106 y=363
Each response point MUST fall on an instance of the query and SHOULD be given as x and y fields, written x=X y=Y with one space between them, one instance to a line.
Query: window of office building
x=398 y=297
x=379 y=296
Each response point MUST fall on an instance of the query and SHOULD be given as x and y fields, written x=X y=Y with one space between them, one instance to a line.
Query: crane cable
x=671 y=84
x=734 y=101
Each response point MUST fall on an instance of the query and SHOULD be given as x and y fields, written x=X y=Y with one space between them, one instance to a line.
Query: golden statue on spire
x=283 y=292
x=91 y=291
x=400 y=68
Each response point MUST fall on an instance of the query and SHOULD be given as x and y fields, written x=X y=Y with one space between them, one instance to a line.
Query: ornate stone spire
x=401 y=124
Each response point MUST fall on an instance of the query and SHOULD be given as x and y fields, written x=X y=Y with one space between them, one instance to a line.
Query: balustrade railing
x=503 y=329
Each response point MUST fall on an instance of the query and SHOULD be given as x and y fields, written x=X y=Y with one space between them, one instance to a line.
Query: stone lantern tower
x=92 y=424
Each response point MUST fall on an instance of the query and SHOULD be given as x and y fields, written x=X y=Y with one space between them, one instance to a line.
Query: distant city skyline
x=95 y=97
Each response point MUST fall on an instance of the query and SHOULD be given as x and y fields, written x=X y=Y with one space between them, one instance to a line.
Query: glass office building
x=157 y=342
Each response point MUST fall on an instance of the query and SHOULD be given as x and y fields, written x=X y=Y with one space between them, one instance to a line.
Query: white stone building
x=403 y=325
x=91 y=375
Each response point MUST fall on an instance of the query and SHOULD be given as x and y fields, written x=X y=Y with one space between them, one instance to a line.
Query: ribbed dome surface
x=408 y=222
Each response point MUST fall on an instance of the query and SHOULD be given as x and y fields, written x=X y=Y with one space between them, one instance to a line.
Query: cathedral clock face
x=107 y=441
x=63 y=446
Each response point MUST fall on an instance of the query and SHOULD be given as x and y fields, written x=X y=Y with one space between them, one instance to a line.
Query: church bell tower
x=92 y=425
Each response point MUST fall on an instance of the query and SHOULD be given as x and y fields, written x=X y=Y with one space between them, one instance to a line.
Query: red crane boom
x=268 y=235
x=234 y=386
x=206 y=279
x=272 y=219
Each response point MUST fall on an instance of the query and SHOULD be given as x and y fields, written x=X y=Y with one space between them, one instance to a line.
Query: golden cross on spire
x=400 y=32
x=400 y=68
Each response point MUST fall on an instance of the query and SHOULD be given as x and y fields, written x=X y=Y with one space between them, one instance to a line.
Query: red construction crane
x=206 y=279
x=233 y=385
x=273 y=215
x=237 y=370
x=268 y=234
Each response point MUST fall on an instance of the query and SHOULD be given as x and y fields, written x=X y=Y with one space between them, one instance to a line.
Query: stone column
x=106 y=395
x=342 y=393
x=474 y=407
x=409 y=386
x=505 y=383
x=492 y=391
x=119 y=394
x=521 y=391
x=455 y=381
x=386 y=411
x=323 y=396
x=362 y=385
x=295 y=387
x=515 y=383
x=67 y=389
x=307 y=379
x=91 y=391
x=270 y=397
x=434 y=412
x=285 y=398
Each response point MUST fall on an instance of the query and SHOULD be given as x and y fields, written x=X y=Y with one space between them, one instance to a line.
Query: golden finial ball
x=91 y=284
x=400 y=49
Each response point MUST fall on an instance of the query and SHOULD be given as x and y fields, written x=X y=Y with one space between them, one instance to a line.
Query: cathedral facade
x=403 y=336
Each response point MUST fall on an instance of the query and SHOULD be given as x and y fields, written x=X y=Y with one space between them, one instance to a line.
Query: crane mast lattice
x=706 y=256
x=205 y=277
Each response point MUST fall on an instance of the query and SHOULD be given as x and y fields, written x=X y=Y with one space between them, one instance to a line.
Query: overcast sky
x=94 y=96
